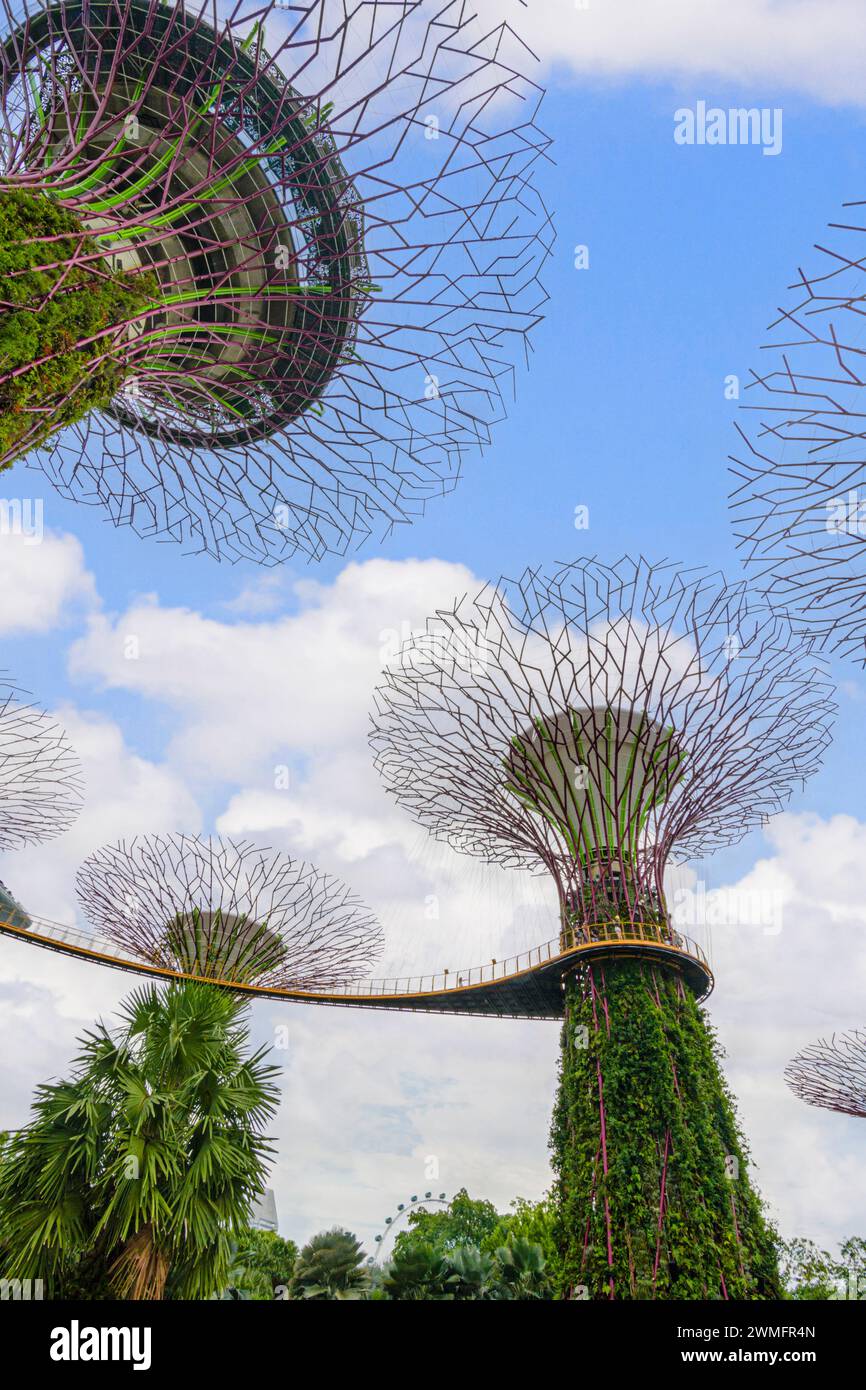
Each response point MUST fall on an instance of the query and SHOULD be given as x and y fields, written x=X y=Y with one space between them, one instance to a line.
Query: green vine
x=653 y=1194
x=49 y=380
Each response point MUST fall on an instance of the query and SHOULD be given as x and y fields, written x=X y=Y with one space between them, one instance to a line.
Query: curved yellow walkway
x=526 y=986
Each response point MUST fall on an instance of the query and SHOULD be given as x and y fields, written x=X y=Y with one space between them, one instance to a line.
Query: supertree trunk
x=654 y=1195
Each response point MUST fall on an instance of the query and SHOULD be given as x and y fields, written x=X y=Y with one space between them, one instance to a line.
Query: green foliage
x=466 y=1274
x=533 y=1221
x=262 y=1267
x=139 y=1173
x=468 y=1250
x=473 y=1274
x=49 y=307
x=522 y=1270
x=331 y=1265
x=417 y=1272
x=810 y=1273
x=638 y=1052
x=465 y=1221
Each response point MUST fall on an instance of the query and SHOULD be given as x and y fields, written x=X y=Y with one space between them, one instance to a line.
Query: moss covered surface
x=50 y=306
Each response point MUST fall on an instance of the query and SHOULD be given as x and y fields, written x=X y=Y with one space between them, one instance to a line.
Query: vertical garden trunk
x=654 y=1194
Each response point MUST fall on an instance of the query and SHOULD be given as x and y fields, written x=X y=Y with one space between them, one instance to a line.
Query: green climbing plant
x=653 y=1194
x=58 y=357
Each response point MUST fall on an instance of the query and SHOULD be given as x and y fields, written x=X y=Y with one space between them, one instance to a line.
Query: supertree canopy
x=40 y=775
x=599 y=723
x=799 y=467
x=229 y=912
x=262 y=299
x=832 y=1074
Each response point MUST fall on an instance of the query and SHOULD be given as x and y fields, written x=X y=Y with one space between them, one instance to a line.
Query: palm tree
x=144 y=1165
x=522 y=1270
x=331 y=1266
x=417 y=1272
x=472 y=1273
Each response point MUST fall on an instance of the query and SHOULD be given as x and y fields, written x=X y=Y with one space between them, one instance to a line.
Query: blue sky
x=622 y=410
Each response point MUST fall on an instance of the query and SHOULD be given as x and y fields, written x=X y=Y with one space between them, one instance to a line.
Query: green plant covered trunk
x=654 y=1198
x=62 y=312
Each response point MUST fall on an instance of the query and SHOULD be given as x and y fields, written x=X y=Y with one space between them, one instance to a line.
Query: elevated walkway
x=529 y=985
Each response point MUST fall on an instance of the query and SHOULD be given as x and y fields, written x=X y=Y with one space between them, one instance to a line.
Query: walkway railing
x=570 y=943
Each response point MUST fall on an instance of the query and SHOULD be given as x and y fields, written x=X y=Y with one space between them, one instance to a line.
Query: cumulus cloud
x=48 y=579
x=297 y=683
x=124 y=794
x=377 y=1107
x=815 y=47
x=782 y=983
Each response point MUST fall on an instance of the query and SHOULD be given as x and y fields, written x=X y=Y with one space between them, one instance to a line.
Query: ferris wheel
x=415 y=1203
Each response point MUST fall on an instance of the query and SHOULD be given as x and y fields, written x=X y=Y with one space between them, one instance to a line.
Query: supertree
x=832 y=1074
x=227 y=911
x=262 y=300
x=799 y=469
x=598 y=724
x=40 y=775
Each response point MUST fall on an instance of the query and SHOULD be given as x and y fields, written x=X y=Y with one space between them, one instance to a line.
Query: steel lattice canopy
x=333 y=247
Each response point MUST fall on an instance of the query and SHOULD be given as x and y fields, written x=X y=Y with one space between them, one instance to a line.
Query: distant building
x=264 y=1217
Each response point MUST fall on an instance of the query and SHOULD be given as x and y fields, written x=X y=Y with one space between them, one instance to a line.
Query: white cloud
x=816 y=47
x=44 y=583
x=372 y=1102
x=124 y=794
x=775 y=992
x=296 y=684
x=265 y=593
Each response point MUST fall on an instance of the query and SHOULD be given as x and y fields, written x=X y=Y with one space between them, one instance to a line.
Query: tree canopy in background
x=262 y=1267
x=331 y=1266
x=812 y=1273
x=465 y=1221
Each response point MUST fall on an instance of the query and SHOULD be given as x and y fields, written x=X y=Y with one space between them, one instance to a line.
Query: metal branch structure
x=40 y=774
x=318 y=239
x=832 y=1074
x=596 y=724
x=600 y=723
x=228 y=911
x=799 y=468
